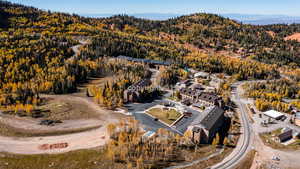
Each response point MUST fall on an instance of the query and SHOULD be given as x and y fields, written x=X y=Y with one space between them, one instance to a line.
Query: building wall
x=196 y=137
x=201 y=137
x=206 y=136
x=130 y=96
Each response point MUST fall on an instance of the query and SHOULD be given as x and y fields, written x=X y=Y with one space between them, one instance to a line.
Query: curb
x=163 y=122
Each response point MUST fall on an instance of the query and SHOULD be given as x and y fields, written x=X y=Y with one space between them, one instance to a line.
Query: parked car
x=275 y=158
x=50 y=122
x=252 y=110
x=283 y=118
x=47 y=122
x=187 y=114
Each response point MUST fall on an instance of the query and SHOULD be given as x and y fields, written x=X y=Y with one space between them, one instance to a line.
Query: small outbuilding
x=274 y=114
x=286 y=135
x=148 y=134
x=203 y=75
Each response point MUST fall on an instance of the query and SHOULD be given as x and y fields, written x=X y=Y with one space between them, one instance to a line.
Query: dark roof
x=209 y=97
x=209 y=117
x=288 y=134
x=198 y=87
x=205 y=96
x=212 y=117
x=155 y=62
x=188 y=91
x=196 y=129
x=140 y=84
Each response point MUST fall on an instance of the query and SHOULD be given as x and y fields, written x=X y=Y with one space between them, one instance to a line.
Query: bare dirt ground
x=96 y=81
x=76 y=110
x=81 y=112
x=288 y=159
x=295 y=36
x=63 y=143
x=54 y=144
x=264 y=155
x=271 y=33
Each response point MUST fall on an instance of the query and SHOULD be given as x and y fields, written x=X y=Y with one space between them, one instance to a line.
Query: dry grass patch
x=268 y=139
x=166 y=115
x=212 y=161
x=95 y=81
x=248 y=160
x=66 y=108
x=92 y=159
x=10 y=131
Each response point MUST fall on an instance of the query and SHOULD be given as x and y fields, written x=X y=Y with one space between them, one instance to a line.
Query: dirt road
x=54 y=144
x=288 y=159
x=98 y=117
x=63 y=143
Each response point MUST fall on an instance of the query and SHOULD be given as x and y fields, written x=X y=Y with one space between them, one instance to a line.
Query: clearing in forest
x=295 y=36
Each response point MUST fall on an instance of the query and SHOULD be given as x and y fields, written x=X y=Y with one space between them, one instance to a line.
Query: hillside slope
x=35 y=48
x=208 y=31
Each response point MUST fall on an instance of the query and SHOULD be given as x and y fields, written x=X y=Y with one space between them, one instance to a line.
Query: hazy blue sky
x=286 y=7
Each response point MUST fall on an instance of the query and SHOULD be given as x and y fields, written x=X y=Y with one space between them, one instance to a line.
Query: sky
x=265 y=7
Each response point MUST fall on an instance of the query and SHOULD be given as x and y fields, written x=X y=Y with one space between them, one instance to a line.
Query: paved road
x=244 y=144
x=150 y=123
x=189 y=164
x=137 y=109
x=183 y=124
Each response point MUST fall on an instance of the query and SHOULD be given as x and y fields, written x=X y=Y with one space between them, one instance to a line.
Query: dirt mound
x=295 y=36
x=271 y=33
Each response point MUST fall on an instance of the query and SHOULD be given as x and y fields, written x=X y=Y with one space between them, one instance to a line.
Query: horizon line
x=183 y=14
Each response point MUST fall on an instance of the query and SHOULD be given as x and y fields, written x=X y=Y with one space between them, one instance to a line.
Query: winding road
x=63 y=143
x=244 y=144
x=93 y=138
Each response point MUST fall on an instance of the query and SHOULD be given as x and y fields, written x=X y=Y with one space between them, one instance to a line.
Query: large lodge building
x=206 y=125
x=133 y=92
x=198 y=97
x=209 y=121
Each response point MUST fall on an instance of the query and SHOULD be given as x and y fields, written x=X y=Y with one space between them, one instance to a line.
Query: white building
x=274 y=114
x=203 y=75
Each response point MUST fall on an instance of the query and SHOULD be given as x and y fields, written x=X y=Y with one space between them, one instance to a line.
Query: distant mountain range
x=152 y=16
x=244 y=18
x=263 y=19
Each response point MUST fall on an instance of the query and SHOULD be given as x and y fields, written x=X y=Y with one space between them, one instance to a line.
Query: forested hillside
x=218 y=33
x=36 y=55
